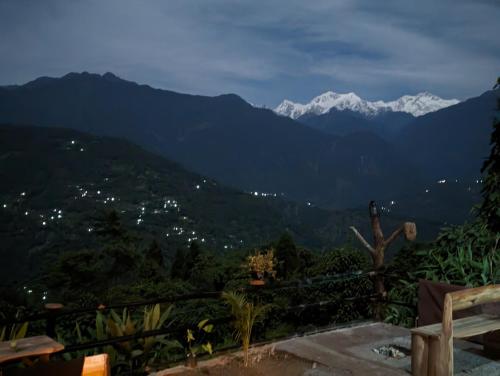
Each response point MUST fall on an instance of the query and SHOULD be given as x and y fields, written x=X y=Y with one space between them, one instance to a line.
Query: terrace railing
x=55 y=314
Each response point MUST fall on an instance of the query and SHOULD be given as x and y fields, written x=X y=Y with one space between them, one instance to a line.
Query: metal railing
x=52 y=315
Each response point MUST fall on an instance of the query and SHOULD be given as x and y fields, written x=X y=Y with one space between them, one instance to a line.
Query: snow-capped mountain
x=416 y=105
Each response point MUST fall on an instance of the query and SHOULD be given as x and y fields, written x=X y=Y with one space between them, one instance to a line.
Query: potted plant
x=261 y=265
x=193 y=348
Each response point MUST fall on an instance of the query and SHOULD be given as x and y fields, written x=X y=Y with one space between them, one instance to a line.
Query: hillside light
x=373 y=210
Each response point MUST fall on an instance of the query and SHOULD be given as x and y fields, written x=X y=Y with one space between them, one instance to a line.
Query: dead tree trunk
x=377 y=251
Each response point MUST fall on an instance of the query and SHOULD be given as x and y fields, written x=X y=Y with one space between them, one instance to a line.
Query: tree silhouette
x=287 y=255
x=179 y=264
x=489 y=210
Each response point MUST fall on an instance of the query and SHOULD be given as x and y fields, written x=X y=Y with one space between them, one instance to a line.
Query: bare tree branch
x=363 y=240
x=394 y=235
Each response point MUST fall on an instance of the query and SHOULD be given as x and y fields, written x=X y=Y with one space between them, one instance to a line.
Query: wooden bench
x=94 y=365
x=432 y=345
x=30 y=347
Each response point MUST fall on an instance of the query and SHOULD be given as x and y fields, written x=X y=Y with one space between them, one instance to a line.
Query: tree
x=380 y=244
x=179 y=264
x=185 y=261
x=489 y=210
x=154 y=253
x=192 y=258
x=287 y=255
x=152 y=266
x=109 y=225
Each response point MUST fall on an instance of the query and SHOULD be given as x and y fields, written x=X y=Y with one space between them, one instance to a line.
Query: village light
x=373 y=210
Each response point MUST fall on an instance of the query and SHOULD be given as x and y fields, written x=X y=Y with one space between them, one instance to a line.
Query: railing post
x=53 y=310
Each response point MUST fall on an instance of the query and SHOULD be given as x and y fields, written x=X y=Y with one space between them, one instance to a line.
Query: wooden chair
x=432 y=345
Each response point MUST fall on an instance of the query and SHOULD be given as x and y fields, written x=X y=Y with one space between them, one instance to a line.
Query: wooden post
x=419 y=354
x=377 y=250
x=434 y=345
x=446 y=357
x=53 y=310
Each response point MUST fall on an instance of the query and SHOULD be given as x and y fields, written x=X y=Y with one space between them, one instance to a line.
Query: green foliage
x=203 y=328
x=490 y=207
x=153 y=320
x=98 y=332
x=127 y=356
x=89 y=276
x=340 y=260
x=245 y=314
x=463 y=255
x=405 y=292
x=94 y=270
x=462 y=267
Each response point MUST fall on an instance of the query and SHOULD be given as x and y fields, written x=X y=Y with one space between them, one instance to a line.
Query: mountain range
x=416 y=105
x=223 y=137
x=254 y=149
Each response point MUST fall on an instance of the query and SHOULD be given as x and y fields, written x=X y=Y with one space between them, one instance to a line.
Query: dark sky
x=262 y=50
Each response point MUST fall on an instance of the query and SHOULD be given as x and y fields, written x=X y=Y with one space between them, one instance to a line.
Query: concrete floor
x=349 y=351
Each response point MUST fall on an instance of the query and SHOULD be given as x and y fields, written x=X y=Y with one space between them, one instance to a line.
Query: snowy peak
x=420 y=104
x=416 y=105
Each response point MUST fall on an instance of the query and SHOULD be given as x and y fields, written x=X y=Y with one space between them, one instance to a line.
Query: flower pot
x=191 y=361
x=257 y=278
x=257 y=282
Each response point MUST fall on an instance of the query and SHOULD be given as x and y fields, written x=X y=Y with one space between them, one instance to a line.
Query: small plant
x=138 y=352
x=262 y=265
x=15 y=333
x=245 y=314
x=153 y=320
x=122 y=326
x=193 y=349
x=135 y=354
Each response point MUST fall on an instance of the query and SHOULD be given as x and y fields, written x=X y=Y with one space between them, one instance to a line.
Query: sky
x=264 y=51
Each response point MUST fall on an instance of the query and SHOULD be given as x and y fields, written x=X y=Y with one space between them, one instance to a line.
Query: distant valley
x=75 y=179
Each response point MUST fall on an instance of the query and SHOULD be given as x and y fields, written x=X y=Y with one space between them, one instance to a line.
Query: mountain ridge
x=417 y=105
x=223 y=137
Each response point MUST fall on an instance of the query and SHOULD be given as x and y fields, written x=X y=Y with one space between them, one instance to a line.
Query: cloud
x=262 y=50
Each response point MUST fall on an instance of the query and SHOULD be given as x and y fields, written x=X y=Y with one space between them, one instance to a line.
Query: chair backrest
x=463 y=299
x=456 y=301
x=473 y=297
